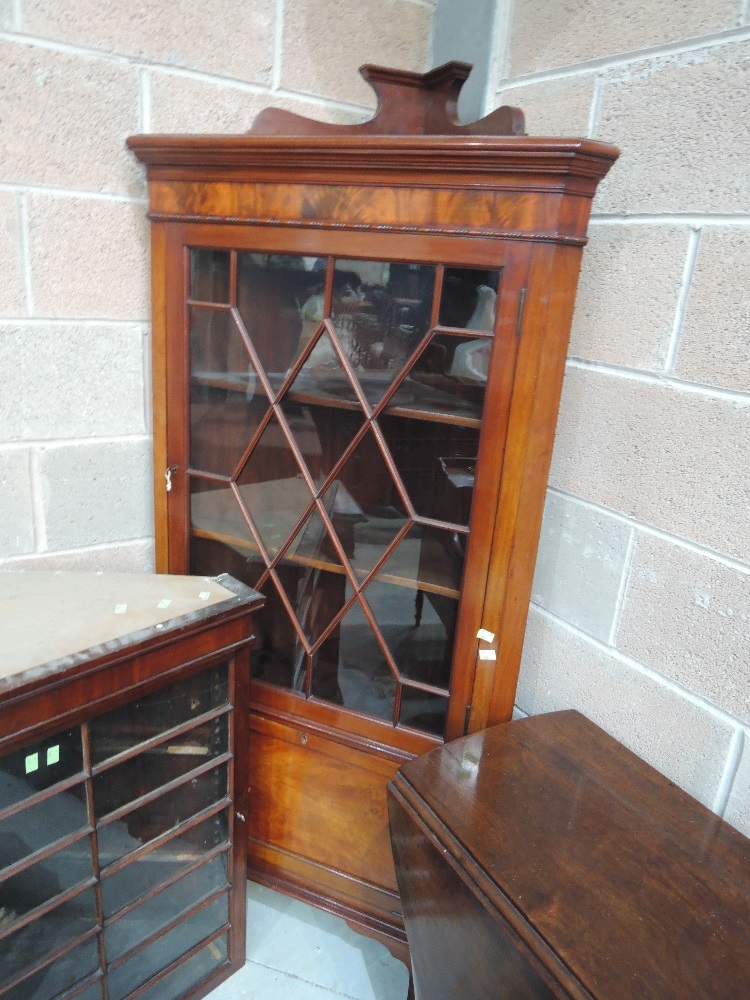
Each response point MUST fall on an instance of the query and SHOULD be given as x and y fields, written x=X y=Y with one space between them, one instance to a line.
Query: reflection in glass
x=313 y=577
x=40 y=825
x=144 y=824
x=39 y=765
x=144 y=873
x=139 y=720
x=49 y=982
x=40 y=883
x=209 y=275
x=153 y=768
x=216 y=514
x=146 y=919
x=380 y=311
x=227 y=401
x=190 y=973
x=448 y=377
x=436 y=465
x=167 y=949
x=350 y=669
x=423 y=711
x=46 y=934
x=279 y=297
x=278 y=656
x=468 y=298
x=272 y=488
x=419 y=631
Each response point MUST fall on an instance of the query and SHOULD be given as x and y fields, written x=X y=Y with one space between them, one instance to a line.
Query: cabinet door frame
x=517 y=432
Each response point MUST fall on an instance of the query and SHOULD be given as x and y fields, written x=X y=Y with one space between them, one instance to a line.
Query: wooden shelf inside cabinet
x=562 y=865
x=123 y=783
x=349 y=312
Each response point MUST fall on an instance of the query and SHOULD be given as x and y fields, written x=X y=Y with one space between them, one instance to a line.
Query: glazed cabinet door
x=326 y=414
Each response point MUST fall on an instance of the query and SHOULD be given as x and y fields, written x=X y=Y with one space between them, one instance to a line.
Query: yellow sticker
x=53 y=754
x=32 y=762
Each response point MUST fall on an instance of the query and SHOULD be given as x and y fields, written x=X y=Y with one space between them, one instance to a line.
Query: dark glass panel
x=40 y=883
x=278 y=297
x=278 y=657
x=144 y=873
x=154 y=768
x=436 y=462
x=313 y=577
x=39 y=765
x=380 y=311
x=449 y=377
x=141 y=719
x=216 y=514
x=145 y=920
x=322 y=376
x=47 y=933
x=167 y=949
x=211 y=557
x=227 y=402
x=322 y=433
x=428 y=558
x=418 y=627
x=365 y=506
x=155 y=818
x=62 y=974
x=272 y=487
x=190 y=973
x=209 y=275
x=350 y=669
x=423 y=711
x=40 y=825
x=468 y=298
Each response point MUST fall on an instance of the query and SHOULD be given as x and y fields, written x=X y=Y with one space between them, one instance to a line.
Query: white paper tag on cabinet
x=485 y=635
x=487 y=654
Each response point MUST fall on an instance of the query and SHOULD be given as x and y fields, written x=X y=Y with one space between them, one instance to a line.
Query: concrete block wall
x=641 y=608
x=76 y=78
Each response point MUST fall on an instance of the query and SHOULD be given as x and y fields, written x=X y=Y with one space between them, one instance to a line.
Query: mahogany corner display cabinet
x=542 y=859
x=359 y=342
x=123 y=784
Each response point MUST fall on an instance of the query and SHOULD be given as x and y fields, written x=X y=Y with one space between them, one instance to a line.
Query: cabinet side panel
x=159 y=389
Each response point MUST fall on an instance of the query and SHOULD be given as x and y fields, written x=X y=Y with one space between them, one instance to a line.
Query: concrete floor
x=297 y=952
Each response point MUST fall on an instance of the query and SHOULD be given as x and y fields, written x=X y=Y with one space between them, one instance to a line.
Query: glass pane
x=279 y=300
x=155 y=818
x=272 y=488
x=62 y=974
x=322 y=433
x=418 y=628
x=168 y=948
x=43 y=881
x=448 y=378
x=423 y=711
x=468 y=298
x=227 y=402
x=40 y=825
x=210 y=557
x=279 y=657
x=139 y=720
x=364 y=504
x=380 y=311
x=153 y=768
x=350 y=668
x=39 y=765
x=436 y=462
x=313 y=577
x=209 y=275
x=190 y=973
x=322 y=376
x=146 y=872
x=145 y=920
x=429 y=559
x=47 y=933
x=215 y=514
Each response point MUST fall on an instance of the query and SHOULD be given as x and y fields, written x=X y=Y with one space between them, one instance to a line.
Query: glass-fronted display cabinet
x=121 y=870
x=359 y=341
